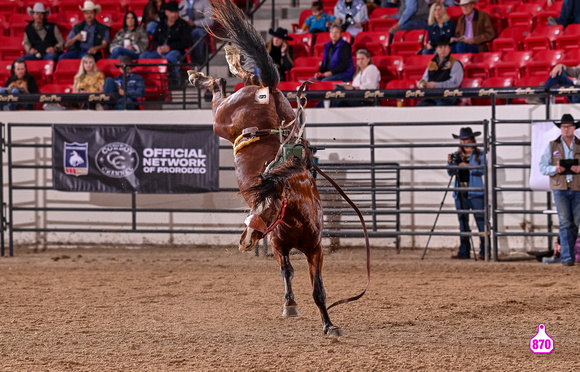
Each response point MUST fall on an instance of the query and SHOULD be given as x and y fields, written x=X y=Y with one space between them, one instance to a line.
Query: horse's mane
x=273 y=183
x=244 y=36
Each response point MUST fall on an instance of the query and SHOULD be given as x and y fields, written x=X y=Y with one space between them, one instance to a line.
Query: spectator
x=131 y=40
x=42 y=39
x=318 y=21
x=474 y=29
x=198 y=15
x=152 y=14
x=367 y=77
x=569 y=13
x=390 y=4
x=171 y=38
x=559 y=76
x=280 y=51
x=472 y=200
x=336 y=58
x=19 y=82
x=439 y=25
x=444 y=71
x=130 y=87
x=89 y=79
x=412 y=14
x=351 y=15
x=565 y=183
x=88 y=36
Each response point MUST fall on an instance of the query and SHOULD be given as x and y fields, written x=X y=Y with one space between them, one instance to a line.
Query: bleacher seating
x=41 y=71
x=376 y=42
x=65 y=71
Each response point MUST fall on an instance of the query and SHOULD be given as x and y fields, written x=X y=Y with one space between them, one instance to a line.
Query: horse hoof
x=290 y=312
x=334 y=332
x=194 y=75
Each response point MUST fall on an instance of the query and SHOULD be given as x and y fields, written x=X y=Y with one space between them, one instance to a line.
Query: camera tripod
x=465 y=216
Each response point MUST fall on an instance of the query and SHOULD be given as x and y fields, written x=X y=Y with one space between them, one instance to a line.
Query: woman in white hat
x=42 y=39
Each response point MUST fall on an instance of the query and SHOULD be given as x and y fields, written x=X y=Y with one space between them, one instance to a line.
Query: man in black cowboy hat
x=171 y=37
x=280 y=51
x=468 y=200
x=560 y=162
x=444 y=71
x=42 y=39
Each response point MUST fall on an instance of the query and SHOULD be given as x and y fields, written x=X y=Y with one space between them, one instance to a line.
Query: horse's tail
x=244 y=36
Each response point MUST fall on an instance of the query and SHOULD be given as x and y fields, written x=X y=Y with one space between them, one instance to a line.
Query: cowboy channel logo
x=75 y=159
x=117 y=160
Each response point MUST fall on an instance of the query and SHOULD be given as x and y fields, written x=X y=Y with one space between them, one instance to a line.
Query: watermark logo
x=541 y=343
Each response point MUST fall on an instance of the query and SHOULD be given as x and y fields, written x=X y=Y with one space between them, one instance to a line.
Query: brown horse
x=284 y=202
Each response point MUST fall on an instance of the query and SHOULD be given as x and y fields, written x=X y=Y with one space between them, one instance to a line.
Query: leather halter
x=256 y=222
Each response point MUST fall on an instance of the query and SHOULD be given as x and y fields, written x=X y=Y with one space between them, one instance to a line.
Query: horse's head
x=261 y=220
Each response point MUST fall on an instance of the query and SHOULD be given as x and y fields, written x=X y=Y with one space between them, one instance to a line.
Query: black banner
x=149 y=159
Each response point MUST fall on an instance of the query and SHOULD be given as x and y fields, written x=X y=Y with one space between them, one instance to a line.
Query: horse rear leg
x=199 y=80
x=287 y=272
x=233 y=59
x=318 y=293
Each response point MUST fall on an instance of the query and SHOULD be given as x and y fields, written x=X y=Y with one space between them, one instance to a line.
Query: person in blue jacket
x=468 y=200
x=130 y=88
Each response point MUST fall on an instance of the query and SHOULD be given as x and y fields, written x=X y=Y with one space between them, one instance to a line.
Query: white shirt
x=369 y=78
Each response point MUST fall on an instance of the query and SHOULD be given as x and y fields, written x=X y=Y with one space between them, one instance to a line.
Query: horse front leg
x=199 y=80
x=287 y=272
x=318 y=292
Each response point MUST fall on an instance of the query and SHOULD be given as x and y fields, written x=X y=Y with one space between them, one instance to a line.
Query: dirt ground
x=220 y=310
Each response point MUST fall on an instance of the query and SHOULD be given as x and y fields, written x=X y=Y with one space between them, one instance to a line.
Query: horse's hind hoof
x=334 y=332
x=290 y=311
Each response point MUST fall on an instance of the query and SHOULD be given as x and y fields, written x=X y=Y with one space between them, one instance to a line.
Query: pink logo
x=541 y=343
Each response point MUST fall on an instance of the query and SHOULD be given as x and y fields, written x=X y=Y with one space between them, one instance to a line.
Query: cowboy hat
x=172 y=6
x=465 y=2
x=567 y=119
x=280 y=33
x=465 y=133
x=89 y=5
x=38 y=8
x=442 y=40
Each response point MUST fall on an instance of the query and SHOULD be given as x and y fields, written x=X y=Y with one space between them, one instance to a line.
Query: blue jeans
x=562 y=80
x=199 y=51
x=11 y=106
x=414 y=24
x=75 y=55
x=570 y=13
x=120 y=51
x=437 y=102
x=173 y=57
x=466 y=48
x=151 y=27
x=32 y=57
x=568 y=207
x=466 y=203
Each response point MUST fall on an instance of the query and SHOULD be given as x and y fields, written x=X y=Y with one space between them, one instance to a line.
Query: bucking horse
x=273 y=163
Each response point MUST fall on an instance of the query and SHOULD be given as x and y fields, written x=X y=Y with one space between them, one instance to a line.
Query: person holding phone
x=559 y=161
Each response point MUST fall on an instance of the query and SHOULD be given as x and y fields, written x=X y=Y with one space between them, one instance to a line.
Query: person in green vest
x=88 y=36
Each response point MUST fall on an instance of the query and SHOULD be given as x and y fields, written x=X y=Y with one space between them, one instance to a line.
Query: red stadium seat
x=542 y=37
x=5 y=67
x=239 y=86
x=520 y=19
x=109 y=66
x=4 y=25
x=512 y=64
x=303 y=73
x=380 y=12
x=464 y=58
x=308 y=62
x=301 y=18
x=302 y=44
x=321 y=85
x=413 y=72
x=56 y=88
x=41 y=71
x=469 y=83
x=156 y=84
x=542 y=18
x=417 y=36
x=12 y=48
x=454 y=12
x=8 y=7
x=65 y=71
x=376 y=42
x=419 y=59
x=543 y=61
x=18 y=23
x=510 y=39
x=405 y=48
x=391 y=67
x=381 y=24
x=573 y=29
x=531 y=8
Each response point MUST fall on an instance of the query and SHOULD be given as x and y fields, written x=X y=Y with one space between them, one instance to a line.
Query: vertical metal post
x=273 y=14
x=134 y=210
x=492 y=141
x=10 y=200
x=487 y=230
x=3 y=221
x=125 y=85
x=373 y=176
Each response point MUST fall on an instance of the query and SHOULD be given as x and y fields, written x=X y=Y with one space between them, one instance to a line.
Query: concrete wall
x=396 y=134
